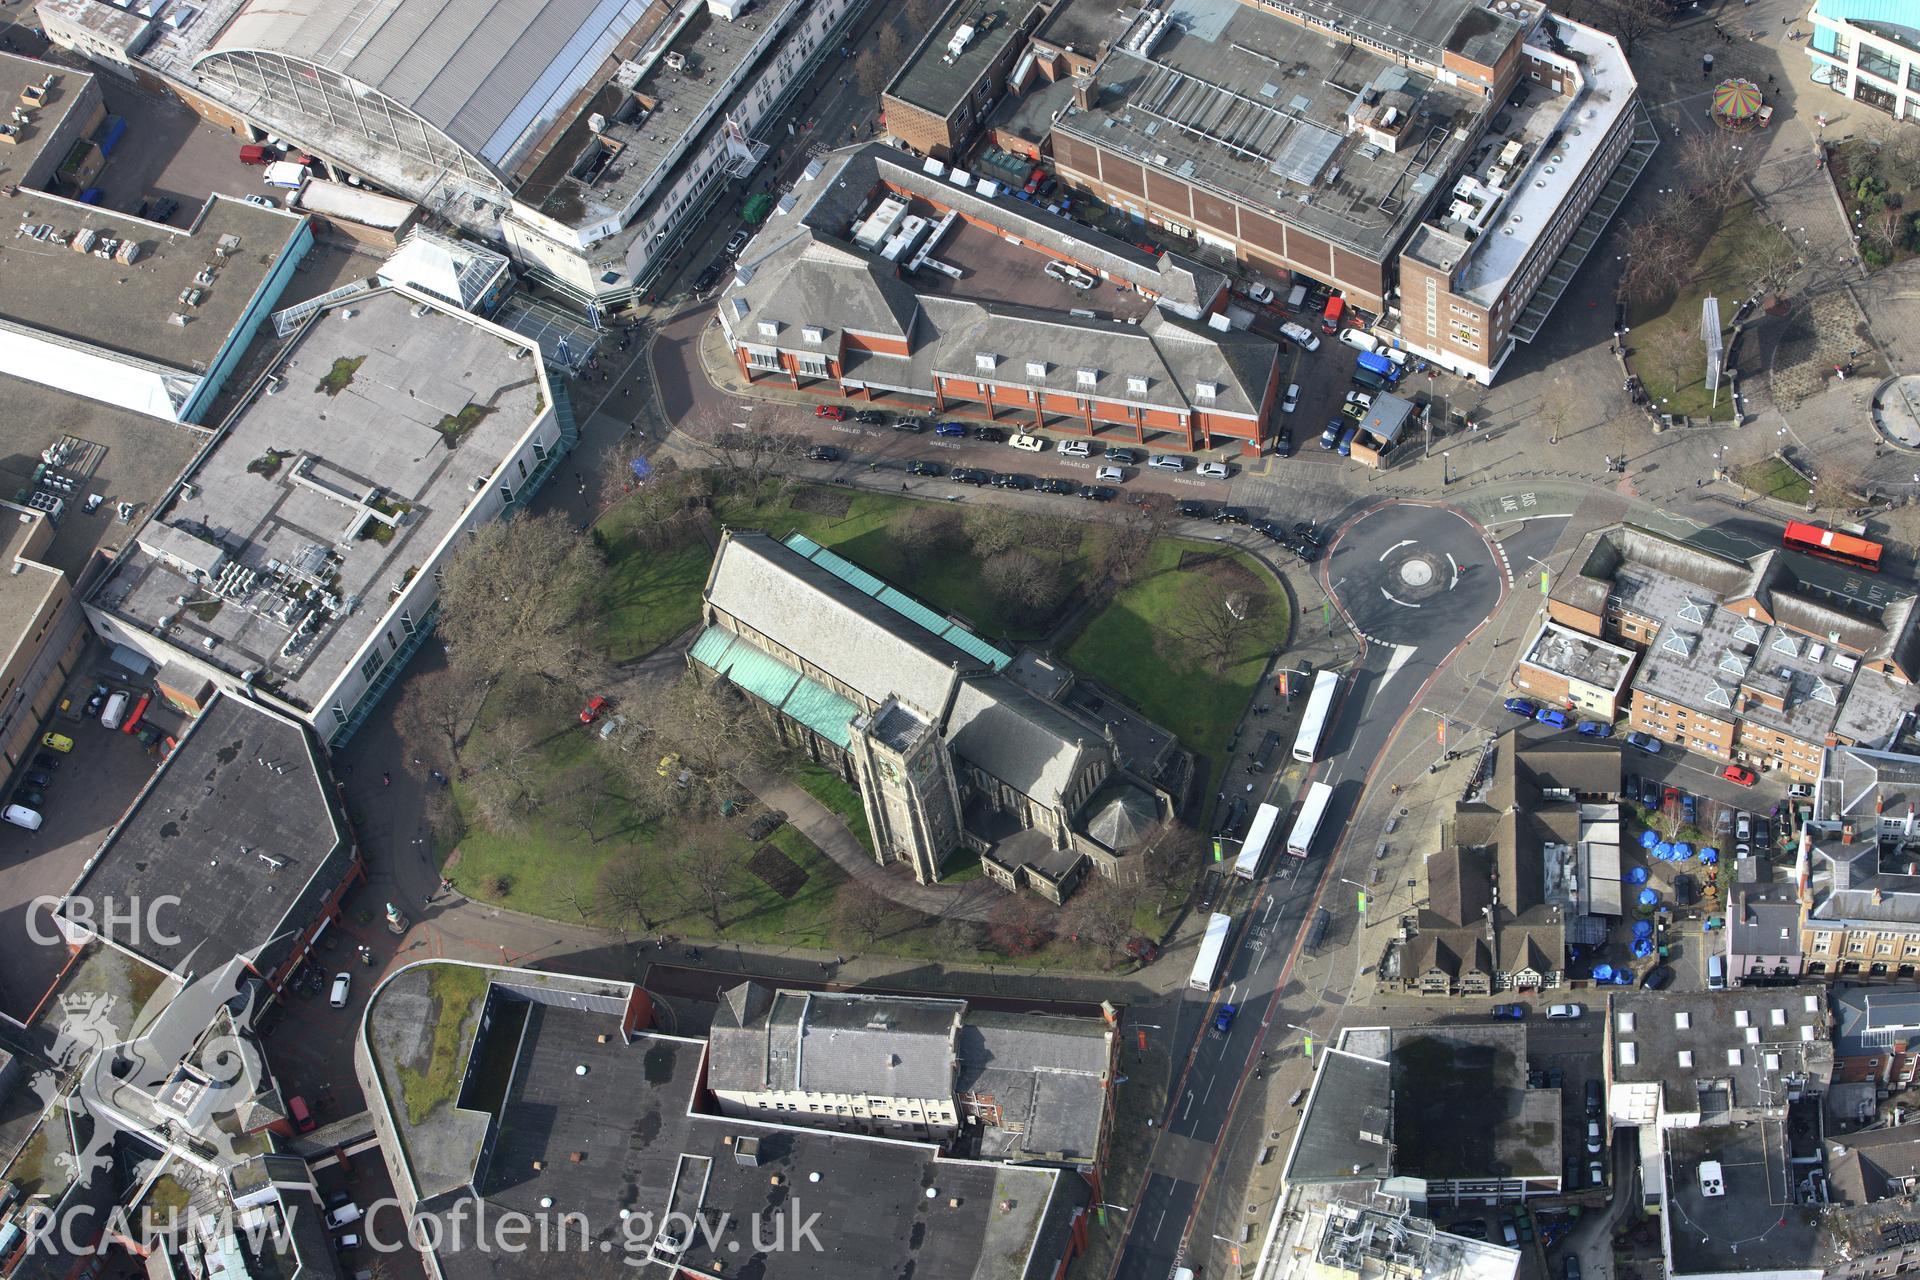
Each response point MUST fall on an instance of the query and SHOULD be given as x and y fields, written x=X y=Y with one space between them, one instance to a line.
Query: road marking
x=1209 y=1092
x=1404 y=604
x=1157 y=1222
x=1188 y=1109
x=1401 y=652
x=1404 y=542
x=1455 y=566
x=1230 y=991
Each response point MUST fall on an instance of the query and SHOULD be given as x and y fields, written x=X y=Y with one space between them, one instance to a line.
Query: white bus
x=1253 y=850
x=1313 y=725
x=1313 y=809
x=1206 y=965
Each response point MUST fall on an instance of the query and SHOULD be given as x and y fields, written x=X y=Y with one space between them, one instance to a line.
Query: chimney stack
x=1085 y=90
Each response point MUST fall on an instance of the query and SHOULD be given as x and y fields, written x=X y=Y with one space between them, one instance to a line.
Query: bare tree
x=1169 y=854
x=1835 y=487
x=660 y=511
x=1555 y=419
x=1100 y=915
x=504 y=777
x=861 y=910
x=1769 y=258
x=629 y=891
x=924 y=534
x=707 y=873
x=710 y=733
x=1659 y=254
x=1027 y=586
x=1020 y=924
x=582 y=789
x=1129 y=544
x=871 y=74
x=1900 y=158
x=435 y=712
x=994 y=530
x=1211 y=620
x=1630 y=20
x=1884 y=231
x=1713 y=168
x=744 y=453
x=922 y=14
x=517 y=597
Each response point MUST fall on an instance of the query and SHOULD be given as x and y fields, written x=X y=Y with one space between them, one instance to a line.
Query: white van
x=1301 y=334
x=345 y=1216
x=1359 y=339
x=1167 y=462
x=1716 y=974
x=1296 y=297
x=111 y=713
x=21 y=816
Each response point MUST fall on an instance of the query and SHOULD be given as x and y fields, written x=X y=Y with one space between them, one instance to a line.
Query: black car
x=1096 y=493
x=39 y=781
x=1305 y=531
x=1056 y=486
x=708 y=275
x=1124 y=457
x=1283 y=443
x=823 y=453
x=1658 y=977
x=1685 y=892
x=909 y=424
x=1269 y=529
x=46 y=760
x=972 y=475
x=1593 y=1099
x=1011 y=480
x=1230 y=515
x=871 y=417
x=992 y=435
x=1191 y=510
x=919 y=468
x=1046 y=187
x=1649 y=793
x=164 y=209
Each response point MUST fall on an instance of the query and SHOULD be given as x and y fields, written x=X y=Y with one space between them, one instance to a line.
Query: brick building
x=1766 y=660
x=1876 y=1034
x=1858 y=870
x=948 y=86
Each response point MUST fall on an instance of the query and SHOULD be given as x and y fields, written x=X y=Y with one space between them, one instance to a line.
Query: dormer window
x=1089 y=377
x=1136 y=386
x=814 y=334
x=1036 y=368
x=769 y=328
x=1207 y=391
x=985 y=362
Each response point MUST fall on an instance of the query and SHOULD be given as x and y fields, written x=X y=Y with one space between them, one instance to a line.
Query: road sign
x=1309 y=1044
x=1543 y=582
x=1363 y=901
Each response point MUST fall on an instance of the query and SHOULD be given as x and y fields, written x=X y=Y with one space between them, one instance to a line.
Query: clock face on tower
x=888 y=772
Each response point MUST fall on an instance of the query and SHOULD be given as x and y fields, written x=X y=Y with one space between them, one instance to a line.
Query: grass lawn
x=1667 y=351
x=834 y=792
x=1775 y=479
x=456 y=990
x=864 y=535
x=648 y=597
x=1123 y=645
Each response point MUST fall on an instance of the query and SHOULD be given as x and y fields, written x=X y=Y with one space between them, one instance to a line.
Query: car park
x=951 y=430
x=591 y=712
x=1551 y=716
x=1560 y=1012
x=1191 y=510
x=1125 y=457
x=870 y=417
x=1741 y=777
x=1520 y=707
x=1513 y=1011
x=1028 y=444
x=1645 y=742
x=1075 y=449
x=1595 y=728
x=832 y=411
x=920 y=468
x=1292 y=400
x=823 y=453
x=1167 y=462
x=1097 y=493
x=342 y=984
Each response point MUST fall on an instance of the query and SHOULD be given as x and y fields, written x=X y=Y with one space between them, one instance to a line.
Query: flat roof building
x=948 y=84
x=141 y=315
x=301 y=568
x=586 y=136
x=592 y=1113
x=238 y=844
x=1362 y=1232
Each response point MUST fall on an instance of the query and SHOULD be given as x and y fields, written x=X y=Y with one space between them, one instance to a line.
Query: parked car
x=1521 y=707
x=1230 y=515
x=39 y=780
x=920 y=468
x=1283 y=443
x=1689 y=809
x=56 y=742
x=1097 y=493
x=1348 y=435
x=1595 y=1144
x=1292 y=400
x=1011 y=480
x=1645 y=742
x=972 y=475
x=1570 y=1266
x=1167 y=462
x=1593 y=1098
x=1762 y=832
x=1056 y=485
x=1124 y=457
x=951 y=430
x=1743 y=827
x=1191 y=510
x=913 y=425
x=1212 y=470
x=20 y=815
x=264 y=202
x=1551 y=715
x=342 y=984
x=1028 y=444
x=1514 y=1011
x=591 y=712
x=1658 y=978
x=1595 y=728
x=1300 y=334
x=1304 y=530
x=823 y=453
x=1800 y=791
x=992 y=435
x=1110 y=475
x=1269 y=529
x=302 y=1117
x=1735 y=774
x=870 y=417
x=833 y=411
x=1650 y=793
x=165 y=207
x=1563 y=1011
x=41 y=760
x=1685 y=892
x=1331 y=436
x=1074 y=449
x=1470 y=1228
x=736 y=242
x=1261 y=294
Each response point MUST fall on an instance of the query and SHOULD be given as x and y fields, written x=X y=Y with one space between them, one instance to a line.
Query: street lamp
x=1446 y=468
x=1294 y=1026
x=1362 y=897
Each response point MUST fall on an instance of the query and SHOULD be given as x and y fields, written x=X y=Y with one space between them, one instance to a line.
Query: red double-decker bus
x=1831 y=544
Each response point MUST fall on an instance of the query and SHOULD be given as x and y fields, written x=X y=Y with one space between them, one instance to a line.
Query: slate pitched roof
x=829 y=1042
x=1026 y=742
x=1047 y=1076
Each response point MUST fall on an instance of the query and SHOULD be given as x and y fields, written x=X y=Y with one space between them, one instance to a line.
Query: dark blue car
x=1596 y=728
x=1223 y=1020
x=1520 y=707
x=956 y=430
x=1551 y=715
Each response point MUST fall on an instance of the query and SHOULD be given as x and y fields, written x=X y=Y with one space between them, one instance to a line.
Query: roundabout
x=1415 y=576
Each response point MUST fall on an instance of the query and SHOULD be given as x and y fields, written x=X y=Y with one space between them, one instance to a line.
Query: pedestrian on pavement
x=386 y=779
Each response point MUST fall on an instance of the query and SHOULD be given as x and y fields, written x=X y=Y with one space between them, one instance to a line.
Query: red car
x=591 y=712
x=303 y=1121
x=832 y=411
x=1734 y=773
